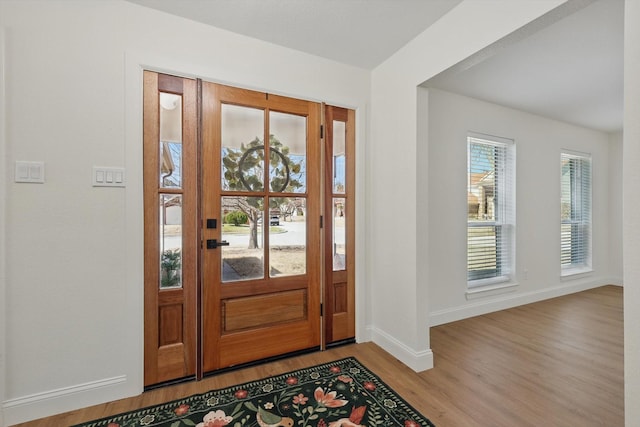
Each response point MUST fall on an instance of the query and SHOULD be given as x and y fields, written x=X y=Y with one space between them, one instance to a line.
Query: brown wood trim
x=351 y=219
x=340 y=276
x=255 y=287
x=190 y=221
x=211 y=271
x=170 y=296
x=199 y=238
x=162 y=190
x=170 y=84
x=343 y=326
x=244 y=97
x=328 y=225
x=314 y=209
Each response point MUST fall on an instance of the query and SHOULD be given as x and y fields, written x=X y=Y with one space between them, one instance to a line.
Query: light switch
x=35 y=172
x=108 y=177
x=32 y=172
x=22 y=172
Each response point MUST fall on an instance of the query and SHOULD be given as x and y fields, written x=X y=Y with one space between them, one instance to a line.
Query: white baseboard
x=479 y=307
x=417 y=360
x=39 y=405
x=618 y=281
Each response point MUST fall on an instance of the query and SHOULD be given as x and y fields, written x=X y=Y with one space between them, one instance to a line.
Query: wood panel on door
x=339 y=225
x=171 y=227
x=261 y=195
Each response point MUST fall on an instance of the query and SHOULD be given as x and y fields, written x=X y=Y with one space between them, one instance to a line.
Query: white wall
x=538 y=143
x=631 y=212
x=615 y=208
x=399 y=197
x=73 y=309
x=3 y=206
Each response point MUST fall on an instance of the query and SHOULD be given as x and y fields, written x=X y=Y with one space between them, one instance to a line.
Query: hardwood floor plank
x=554 y=363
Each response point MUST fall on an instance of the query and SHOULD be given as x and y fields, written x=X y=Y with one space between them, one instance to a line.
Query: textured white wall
x=538 y=143
x=73 y=307
x=631 y=212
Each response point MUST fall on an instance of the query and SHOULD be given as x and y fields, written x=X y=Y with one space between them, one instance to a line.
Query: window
x=490 y=210
x=575 y=213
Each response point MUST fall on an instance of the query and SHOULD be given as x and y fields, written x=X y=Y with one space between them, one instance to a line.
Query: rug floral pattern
x=338 y=394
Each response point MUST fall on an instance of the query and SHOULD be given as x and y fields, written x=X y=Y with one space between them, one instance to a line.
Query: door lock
x=213 y=243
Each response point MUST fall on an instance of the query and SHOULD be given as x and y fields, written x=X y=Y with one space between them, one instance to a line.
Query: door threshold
x=170 y=383
x=262 y=361
x=341 y=343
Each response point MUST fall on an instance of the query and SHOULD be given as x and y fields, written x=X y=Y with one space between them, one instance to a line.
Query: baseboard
x=479 y=307
x=617 y=281
x=417 y=360
x=39 y=405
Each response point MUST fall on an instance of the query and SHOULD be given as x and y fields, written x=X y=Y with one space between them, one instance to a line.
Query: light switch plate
x=31 y=172
x=108 y=177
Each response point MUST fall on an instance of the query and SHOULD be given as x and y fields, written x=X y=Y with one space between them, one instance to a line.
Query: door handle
x=213 y=243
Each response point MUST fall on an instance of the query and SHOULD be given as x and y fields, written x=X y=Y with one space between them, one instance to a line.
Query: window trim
x=506 y=219
x=574 y=269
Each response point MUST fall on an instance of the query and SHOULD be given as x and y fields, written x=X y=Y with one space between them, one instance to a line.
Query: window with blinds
x=575 y=212
x=490 y=210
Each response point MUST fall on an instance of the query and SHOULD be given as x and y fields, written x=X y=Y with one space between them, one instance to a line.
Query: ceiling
x=568 y=68
x=362 y=33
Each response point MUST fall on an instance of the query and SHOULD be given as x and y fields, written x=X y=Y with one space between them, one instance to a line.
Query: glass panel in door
x=242 y=228
x=288 y=236
x=243 y=149
x=288 y=153
x=339 y=157
x=339 y=234
x=170 y=240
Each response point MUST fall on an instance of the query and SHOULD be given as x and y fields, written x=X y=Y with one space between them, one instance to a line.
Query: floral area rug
x=338 y=394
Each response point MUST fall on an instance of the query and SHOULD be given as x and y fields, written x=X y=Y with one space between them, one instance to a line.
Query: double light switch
x=32 y=172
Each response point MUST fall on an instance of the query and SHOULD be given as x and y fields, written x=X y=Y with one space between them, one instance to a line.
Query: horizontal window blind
x=575 y=211
x=490 y=210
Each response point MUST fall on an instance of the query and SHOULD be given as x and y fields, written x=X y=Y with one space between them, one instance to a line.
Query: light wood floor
x=554 y=363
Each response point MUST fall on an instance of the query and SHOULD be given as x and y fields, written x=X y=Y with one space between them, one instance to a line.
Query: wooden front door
x=244 y=239
x=261 y=205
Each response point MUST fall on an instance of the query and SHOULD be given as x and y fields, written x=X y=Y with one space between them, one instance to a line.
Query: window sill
x=490 y=290
x=575 y=273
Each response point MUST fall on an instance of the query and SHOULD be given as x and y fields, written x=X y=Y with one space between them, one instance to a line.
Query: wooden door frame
x=193 y=255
